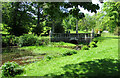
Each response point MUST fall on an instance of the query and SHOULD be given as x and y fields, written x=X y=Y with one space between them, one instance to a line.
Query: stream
x=20 y=56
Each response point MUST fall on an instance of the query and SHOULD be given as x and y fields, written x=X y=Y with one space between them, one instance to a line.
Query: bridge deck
x=67 y=37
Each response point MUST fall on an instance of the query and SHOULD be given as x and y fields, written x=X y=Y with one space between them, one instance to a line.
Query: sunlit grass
x=106 y=52
x=61 y=44
x=96 y=61
x=80 y=31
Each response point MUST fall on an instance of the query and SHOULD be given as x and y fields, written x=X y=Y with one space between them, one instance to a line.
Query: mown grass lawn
x=80 y=32
x=99 y=61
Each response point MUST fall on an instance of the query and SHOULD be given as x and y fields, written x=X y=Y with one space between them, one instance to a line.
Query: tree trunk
x=76 y=26
x=53 y=26
x=38 y=16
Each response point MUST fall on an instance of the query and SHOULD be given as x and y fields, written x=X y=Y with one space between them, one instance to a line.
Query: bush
x=9 y=40
x=117 y=31
x=42 y=41
x=59 y=28
x=95 y=40
x=93 y=44
x=69 y=53
x=85 y=47
x=45 y=41
x=11 y=69
x=27 y=40
x=48 y=57
x=31 y=40
x=38 y=29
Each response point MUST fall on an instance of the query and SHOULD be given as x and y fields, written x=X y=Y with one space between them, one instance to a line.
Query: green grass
x=100 y=61
x=61 y=44
x=80 y=31
x=48 y=50
x=108 y=35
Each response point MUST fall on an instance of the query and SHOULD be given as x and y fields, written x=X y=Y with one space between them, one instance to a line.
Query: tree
x=88 y=22
x=20 y=15
x=53 y=12
x=16 y=17
x=109 y=18
x=75 y=11
x=69 y=23
x=36 y=10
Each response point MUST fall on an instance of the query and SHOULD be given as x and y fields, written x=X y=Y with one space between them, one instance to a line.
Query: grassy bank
x=99 y=61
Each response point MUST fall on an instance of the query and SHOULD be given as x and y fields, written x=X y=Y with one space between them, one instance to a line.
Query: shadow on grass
x=104 y=68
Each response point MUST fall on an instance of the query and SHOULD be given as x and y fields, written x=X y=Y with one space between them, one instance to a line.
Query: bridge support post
x=50 y=36
x=76 y=26
x=92 y=35
x=85 y=37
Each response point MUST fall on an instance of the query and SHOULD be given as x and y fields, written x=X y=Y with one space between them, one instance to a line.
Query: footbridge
x=72 y=37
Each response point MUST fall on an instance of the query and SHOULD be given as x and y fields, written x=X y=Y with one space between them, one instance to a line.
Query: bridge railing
x=70 y=36
x=67 y=35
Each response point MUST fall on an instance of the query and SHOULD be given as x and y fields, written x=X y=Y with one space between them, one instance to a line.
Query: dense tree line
x=23 y=17
x=108 y=18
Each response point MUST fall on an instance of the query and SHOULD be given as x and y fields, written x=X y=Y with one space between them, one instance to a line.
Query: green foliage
x=85 y=47
x=91 y=62
x=95 y=40
x=20 y=16
x=9 y=40
x=24 y=40
x=69 y=53
x=44 y=41
x=27 y=40
x=87 y=23
x=108 y=18
x=32 y=40
x=69 y=23
x=117 y=31
x=92 y=44
x=16 y=18
x=10 y=69
x=38 y=29
x=48 y=57
x=59 y=28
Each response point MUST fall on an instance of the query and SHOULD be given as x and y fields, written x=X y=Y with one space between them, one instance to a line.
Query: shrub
x=117 y=31
x=11 y=69
x=42 y=41
x=48 y=57
x=16 y=40
x=31 y=40
x=38 y=29
x=9 y=40
x=27 y=40
x=85 y=47
x=69 y=53
x=93 y=44
x=95 y=40
x=59 y=28
x=45 y=41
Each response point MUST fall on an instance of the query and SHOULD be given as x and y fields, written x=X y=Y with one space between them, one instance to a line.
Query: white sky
x=94 y=2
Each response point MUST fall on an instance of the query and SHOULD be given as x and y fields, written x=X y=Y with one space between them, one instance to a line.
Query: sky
x=94 y=2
